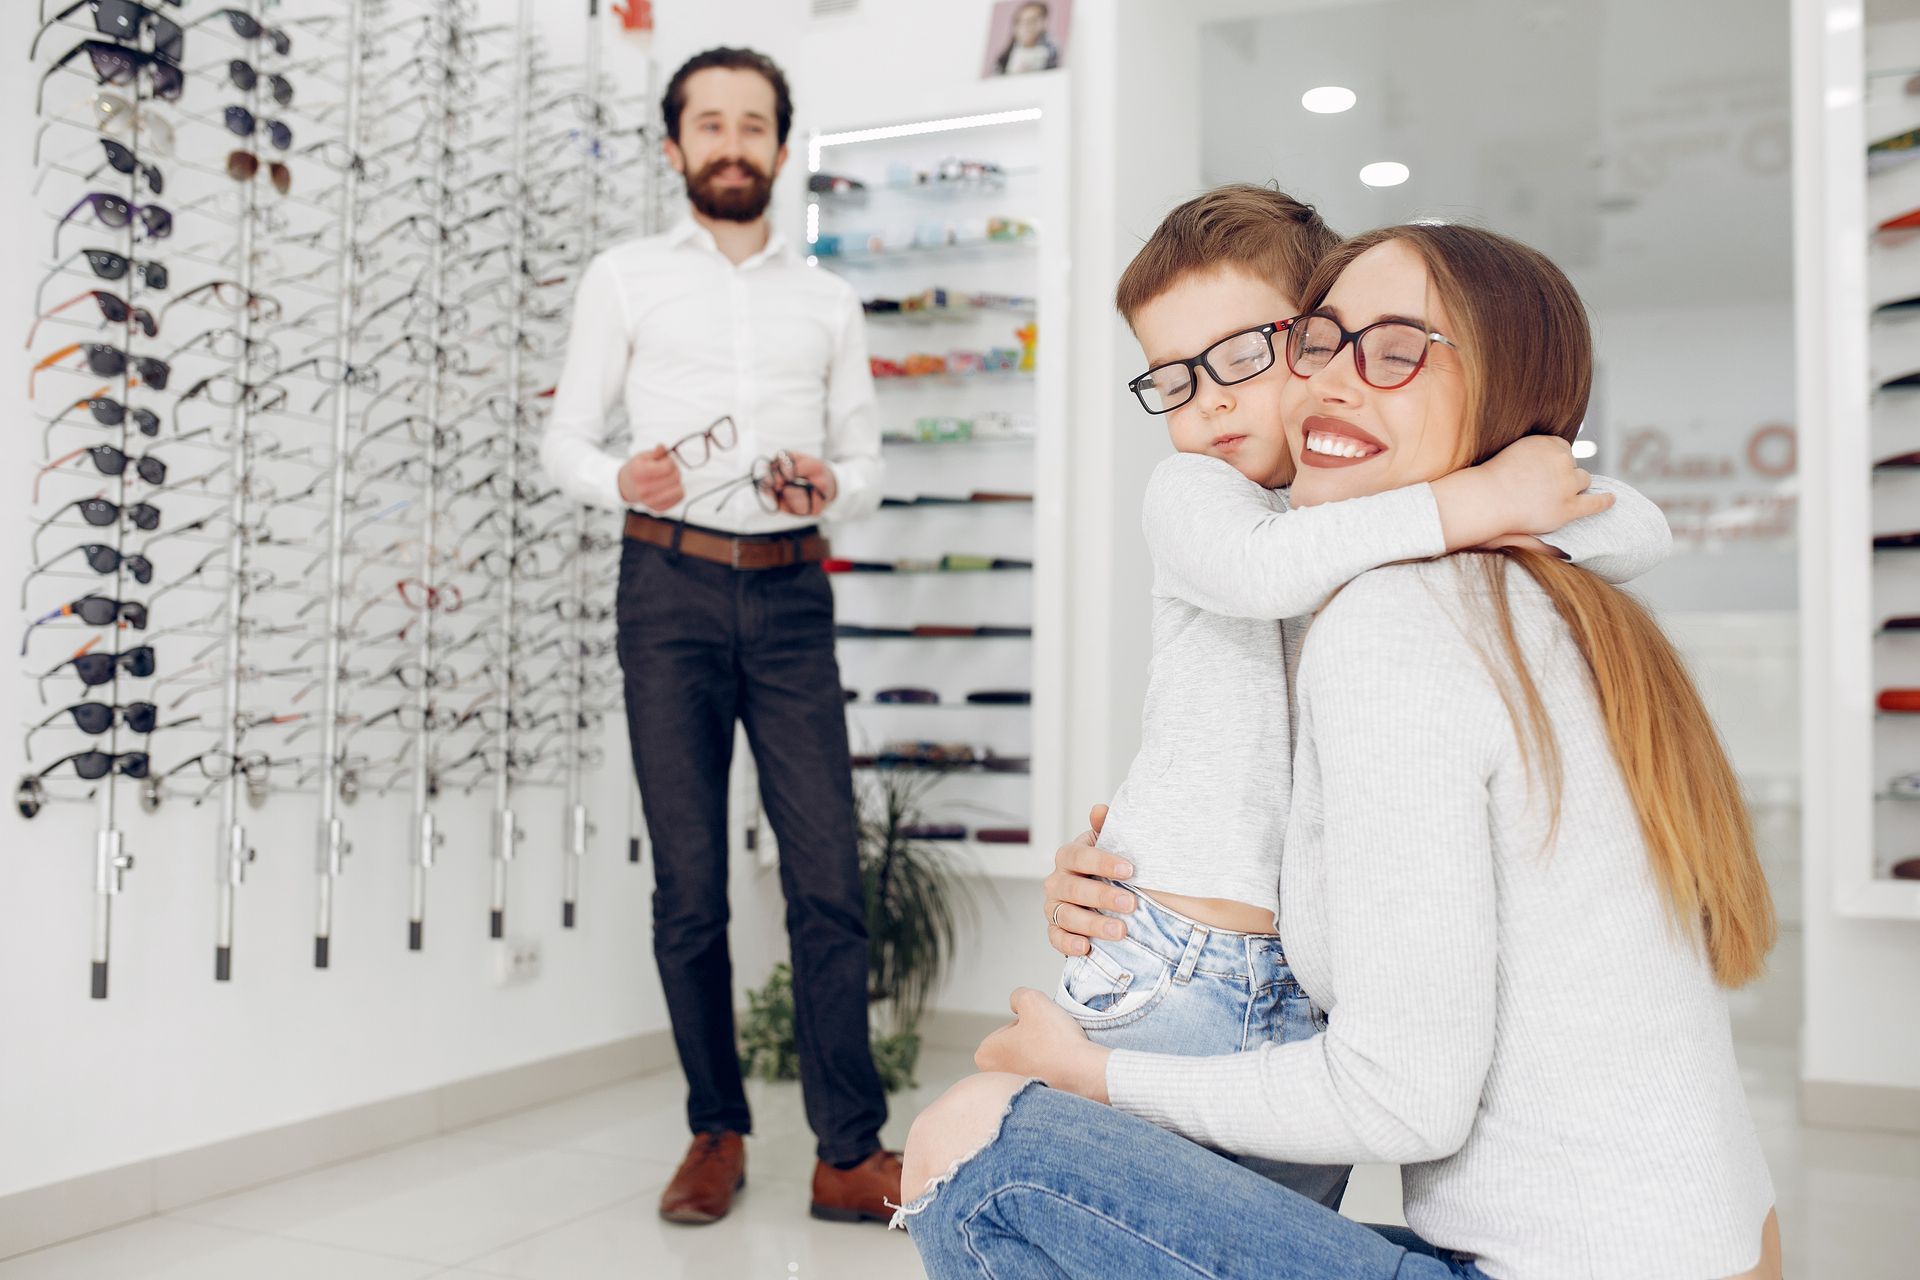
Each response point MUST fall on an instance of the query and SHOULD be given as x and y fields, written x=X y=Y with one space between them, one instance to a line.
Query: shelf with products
x=942 y=229
x=1857 y=221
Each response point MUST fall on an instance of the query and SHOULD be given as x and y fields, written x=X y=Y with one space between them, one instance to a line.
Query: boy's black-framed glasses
x=1387 y=354
x=1234 y=359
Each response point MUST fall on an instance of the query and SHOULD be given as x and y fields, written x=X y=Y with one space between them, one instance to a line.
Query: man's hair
x=675 y=101
x=1259 y=230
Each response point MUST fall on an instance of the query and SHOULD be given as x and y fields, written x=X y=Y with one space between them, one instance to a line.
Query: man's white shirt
x=673 y=330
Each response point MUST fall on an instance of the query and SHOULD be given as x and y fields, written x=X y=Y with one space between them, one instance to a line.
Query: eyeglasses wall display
x=1858 y=216
x=293 y=561
x=947 y=600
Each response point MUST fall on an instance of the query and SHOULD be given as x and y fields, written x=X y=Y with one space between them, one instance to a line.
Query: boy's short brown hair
x=1262 y=231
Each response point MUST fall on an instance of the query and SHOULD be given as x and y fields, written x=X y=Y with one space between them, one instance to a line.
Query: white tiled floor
x=566 y=1192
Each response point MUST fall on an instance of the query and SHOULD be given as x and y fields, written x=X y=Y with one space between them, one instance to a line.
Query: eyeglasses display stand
x=366 y=393
x=1857 y=224
x=952 y=232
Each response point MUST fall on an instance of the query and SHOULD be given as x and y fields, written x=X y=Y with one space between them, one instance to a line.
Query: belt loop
x=1190 y=958
x=673 y=543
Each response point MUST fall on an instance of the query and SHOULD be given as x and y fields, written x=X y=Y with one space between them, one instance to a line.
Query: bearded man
x=744 y=376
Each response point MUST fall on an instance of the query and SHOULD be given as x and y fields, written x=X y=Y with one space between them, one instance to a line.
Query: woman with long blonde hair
x=1518 y=878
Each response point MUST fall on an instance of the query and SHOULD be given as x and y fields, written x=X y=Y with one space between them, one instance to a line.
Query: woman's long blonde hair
x=1525 y=346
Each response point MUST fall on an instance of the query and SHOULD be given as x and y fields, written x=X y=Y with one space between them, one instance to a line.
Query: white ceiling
x=1644 y=144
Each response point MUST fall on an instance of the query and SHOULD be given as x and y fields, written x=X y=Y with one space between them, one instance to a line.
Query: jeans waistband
x=1169 y=935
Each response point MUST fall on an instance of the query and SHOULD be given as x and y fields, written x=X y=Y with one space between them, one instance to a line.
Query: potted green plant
x=917 y=905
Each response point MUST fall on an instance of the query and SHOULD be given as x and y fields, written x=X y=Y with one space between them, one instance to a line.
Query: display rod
x=579 y=826
x=111 y=861
x=333 y=847
x=425 y=784
x=231 y=853
x=506 y=834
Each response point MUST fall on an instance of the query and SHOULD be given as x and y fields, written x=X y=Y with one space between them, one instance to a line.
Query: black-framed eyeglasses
x=698 y=448
x=1387 y=354
x=101 y=512
x=1234 y=359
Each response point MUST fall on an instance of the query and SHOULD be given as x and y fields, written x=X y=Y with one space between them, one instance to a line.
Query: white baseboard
x=41 y=1216
x=1882 y=1108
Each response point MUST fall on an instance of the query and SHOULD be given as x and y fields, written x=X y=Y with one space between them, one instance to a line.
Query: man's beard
x=730 y=204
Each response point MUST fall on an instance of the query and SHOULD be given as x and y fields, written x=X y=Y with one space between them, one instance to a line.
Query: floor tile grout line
x=468 y=1263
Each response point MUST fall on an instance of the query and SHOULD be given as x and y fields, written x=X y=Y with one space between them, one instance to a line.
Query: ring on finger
x=1053 y=921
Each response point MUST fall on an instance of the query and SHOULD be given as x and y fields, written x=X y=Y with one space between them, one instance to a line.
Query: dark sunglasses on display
x=117 y=64
x=247 y=27
x=244 y=123
x=95 y=611
x=107 y=362
x=121 y=159
x=102 y=559
x=113 y=309
x=109 y=412
x=121 y=20
x=116 y=212
x=244 y=166
x=244 y=78
x=1387 y=354
x=106 y=265
x=96 y=718
x=101 y=512
x=98 y=668
x=93 y=765
x=111 y=460
x=1234 y=359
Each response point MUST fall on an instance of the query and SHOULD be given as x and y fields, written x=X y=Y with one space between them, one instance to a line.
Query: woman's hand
x=1074 y=899
x=1045 y=1042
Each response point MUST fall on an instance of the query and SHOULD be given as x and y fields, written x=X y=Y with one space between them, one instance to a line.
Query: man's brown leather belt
x=755 y=551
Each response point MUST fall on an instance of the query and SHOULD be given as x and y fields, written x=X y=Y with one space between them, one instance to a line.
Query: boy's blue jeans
x=1174 y=985
x=1072 y=1190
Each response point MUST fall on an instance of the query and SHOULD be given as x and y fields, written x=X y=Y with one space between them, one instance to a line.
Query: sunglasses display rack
x=363 y=593
x=1857 y=218
x=949 y=634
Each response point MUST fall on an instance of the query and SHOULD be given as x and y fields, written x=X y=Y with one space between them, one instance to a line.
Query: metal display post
x=333 y=846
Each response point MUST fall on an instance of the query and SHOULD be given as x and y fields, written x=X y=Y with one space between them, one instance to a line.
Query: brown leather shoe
x=703 y=1186
x=859 y=1194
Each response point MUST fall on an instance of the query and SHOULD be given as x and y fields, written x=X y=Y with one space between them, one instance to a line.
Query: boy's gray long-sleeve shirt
x=1203 y=809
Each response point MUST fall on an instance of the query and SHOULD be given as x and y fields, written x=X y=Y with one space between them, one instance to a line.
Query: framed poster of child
x=1027 y=35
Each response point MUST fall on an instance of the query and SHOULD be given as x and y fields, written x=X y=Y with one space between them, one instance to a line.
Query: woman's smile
x=1331 y=442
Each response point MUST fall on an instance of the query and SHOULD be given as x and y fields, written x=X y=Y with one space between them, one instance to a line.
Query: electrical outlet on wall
x=515 y=960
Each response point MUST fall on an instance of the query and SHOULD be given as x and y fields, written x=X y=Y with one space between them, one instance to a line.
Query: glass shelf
x=972 y=251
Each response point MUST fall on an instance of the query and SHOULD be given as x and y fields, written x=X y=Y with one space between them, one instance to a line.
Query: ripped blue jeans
x=1174 y=985
x=1071 y=1190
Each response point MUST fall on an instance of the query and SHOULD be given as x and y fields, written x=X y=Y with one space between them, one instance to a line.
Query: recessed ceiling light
x=1384 y=173
x=1328 y=99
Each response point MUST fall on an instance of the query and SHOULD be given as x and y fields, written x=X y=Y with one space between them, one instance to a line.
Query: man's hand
x=1072 y=899
x=652 y=480
x=1530 y=487
x=799 y=500
x=1044 y=1041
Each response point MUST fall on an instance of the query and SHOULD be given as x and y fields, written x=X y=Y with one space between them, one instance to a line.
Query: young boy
x=1203 y=809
